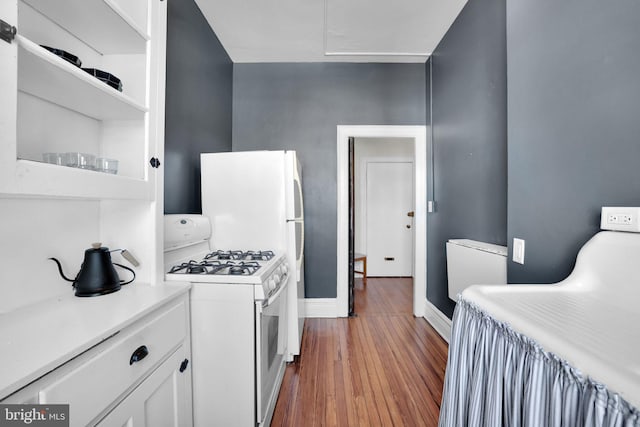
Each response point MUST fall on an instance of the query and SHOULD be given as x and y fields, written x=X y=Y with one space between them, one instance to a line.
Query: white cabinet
x=53 y=106
x=158 y=401
x=140 y=376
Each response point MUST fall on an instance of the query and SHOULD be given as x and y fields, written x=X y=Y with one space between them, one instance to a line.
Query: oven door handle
x=275 y=296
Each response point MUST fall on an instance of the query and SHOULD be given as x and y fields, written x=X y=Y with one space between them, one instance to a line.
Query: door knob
x=408 y=226
x=411 y=214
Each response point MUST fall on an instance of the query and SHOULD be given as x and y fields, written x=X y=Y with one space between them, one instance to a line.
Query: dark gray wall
x=298 y=106
x=469 y=138
x=574 y=125
x=198 y=103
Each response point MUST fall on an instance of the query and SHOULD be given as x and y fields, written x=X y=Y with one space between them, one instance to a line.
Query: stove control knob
x=271 y=284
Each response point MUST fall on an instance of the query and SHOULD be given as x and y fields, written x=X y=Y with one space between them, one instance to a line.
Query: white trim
x=320 y=307
x=347 y=53
x=419 y=134
x=437 y=319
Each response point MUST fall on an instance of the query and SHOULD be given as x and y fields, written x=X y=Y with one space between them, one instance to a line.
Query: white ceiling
x=330 y=30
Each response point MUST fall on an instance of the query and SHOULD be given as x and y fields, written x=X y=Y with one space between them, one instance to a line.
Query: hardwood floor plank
x=346 y=377
x=381 y=368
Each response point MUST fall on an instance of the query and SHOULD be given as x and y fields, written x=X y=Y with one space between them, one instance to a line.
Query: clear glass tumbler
x=107 y=165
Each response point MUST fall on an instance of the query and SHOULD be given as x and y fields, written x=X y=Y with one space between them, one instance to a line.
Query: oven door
x=271 y=346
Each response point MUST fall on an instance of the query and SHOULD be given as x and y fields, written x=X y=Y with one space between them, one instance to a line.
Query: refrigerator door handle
x=300 y=252
x=301 y=257
x=298 y=193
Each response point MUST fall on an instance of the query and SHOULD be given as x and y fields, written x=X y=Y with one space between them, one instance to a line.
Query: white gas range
x=238 y=323
x=264 y=269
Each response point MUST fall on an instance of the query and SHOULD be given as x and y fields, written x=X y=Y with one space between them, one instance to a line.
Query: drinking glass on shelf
x=107 y=165
x=53 y=158
x=80 y=160
x=71 y=159
x=87 y=161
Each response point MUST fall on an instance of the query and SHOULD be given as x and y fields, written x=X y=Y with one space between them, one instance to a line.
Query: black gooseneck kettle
x=97 y=275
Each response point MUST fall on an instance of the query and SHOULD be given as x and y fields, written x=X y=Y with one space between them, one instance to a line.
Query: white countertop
x=36 y=339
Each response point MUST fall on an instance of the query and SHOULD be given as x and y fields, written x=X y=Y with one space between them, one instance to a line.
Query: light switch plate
x=518 y=251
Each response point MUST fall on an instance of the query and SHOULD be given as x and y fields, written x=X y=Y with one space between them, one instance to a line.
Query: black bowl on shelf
x=64 y=55
x=105 y=77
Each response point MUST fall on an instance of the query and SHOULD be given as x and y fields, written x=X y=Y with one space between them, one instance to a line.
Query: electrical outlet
x=625 y=219
x=620 y=219
x=518 y=251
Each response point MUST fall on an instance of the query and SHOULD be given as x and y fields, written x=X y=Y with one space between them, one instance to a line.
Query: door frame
x=419 y=135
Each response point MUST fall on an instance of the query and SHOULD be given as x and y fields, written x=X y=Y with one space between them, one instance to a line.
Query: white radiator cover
x=470 y=262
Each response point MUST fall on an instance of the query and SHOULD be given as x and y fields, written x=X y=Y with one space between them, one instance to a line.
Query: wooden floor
x=382 y=368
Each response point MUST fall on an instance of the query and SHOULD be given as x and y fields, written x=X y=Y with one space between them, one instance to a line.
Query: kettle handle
x=122 y=283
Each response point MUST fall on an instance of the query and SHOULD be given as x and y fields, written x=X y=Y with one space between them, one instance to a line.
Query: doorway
x=384 y=205
x=414 y=218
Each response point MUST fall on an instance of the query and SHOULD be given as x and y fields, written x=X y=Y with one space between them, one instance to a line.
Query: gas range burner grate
x=240 y=255
x=225 y=255
x=195 y=267
x=231 y=268
x=259 y=255
x=240 y=269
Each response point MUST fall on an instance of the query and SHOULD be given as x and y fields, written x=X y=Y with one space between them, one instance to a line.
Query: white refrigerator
x=254 y=201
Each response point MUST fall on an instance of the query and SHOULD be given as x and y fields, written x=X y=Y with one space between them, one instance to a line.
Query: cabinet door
x=163 y=399
x=9 y=91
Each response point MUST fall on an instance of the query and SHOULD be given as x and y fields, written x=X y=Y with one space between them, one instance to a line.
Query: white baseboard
x=440 y=322
x=321 y=307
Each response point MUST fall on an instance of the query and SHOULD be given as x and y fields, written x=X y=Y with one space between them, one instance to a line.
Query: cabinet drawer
x=93 y=386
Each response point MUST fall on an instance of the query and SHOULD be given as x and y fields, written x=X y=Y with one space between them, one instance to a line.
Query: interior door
x=389 y=213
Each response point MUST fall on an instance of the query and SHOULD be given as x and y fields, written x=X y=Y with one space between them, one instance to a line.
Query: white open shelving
x=101 y=24
x=63 y=109
x=51 y=105
x=49 y=77
x=44 y=179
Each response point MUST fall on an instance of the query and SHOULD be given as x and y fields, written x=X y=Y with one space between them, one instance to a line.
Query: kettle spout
x=60 y=270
